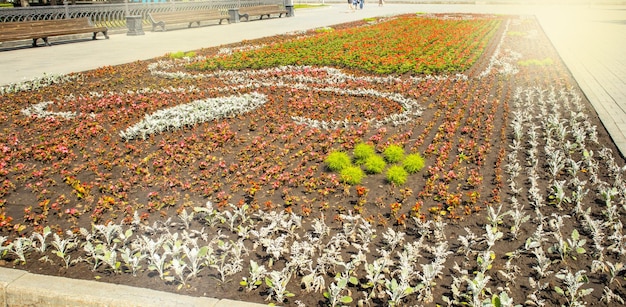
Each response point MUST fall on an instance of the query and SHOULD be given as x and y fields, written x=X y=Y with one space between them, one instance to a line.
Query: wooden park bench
x=261 y=10
x=160 y=19
x=42 y=29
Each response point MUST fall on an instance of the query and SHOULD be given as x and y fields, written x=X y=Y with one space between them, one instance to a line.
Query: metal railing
x=113 y=16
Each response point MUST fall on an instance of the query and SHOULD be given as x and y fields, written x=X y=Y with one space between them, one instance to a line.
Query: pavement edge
x=20 y=288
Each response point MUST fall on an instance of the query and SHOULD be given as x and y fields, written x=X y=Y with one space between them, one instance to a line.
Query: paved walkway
x=592 y=43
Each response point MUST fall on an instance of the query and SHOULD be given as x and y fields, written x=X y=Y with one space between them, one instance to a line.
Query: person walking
x=381 y=2
x=361 y=4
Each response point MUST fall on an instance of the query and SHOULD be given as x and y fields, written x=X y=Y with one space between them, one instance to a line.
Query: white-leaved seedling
x=209 y=214
x=427 y=282
x=375 y=275
x=197 y=258
x=256 y=277
x=573 y=283
x=179 y=267
x=397 y=291
x=543 y=263
x=20 y=247
x=160 y=264
x=4 y=249
x=62 y=248
x=492 y=234
x=468 y=242
x=190 y=114
x=109 y=231
x=485 y=261
x=132 y=259
x=393 y=238
x=495 y=216
x=519 y=217
x=558 y=195
x=477 y=288
x=277 y=282
x=503 y=300
x=40 y=238
x=336 y=292
x=186 y=218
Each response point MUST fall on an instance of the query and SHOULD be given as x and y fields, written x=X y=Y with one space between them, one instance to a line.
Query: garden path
x=591 y=42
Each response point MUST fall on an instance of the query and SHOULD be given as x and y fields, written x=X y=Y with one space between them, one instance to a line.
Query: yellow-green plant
x=536 y=62
x=324 y=29
x=374 y=164
x=516 y=33
x=352 y=175
x=413 y=163
x=182 y=54
x=362 y=151
x=397 y=175
x=393 y=153
x=337 y=161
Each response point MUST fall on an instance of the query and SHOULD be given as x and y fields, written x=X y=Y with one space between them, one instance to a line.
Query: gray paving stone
x=41 y=290
x=7 y=276
x=231 y=303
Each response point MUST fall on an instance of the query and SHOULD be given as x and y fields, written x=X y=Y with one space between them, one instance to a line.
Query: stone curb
x=20 y=288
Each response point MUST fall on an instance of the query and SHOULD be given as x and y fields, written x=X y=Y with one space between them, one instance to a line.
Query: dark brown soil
x=67 y=174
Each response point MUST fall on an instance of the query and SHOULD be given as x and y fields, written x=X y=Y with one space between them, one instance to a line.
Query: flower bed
x=219 y=173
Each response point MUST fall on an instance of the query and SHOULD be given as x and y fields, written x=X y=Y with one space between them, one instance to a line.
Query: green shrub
x=393 y=153
x=413 y=163
x=177 y=55
x=374 y=164
x=181 y=54
x=536 y=62
x=352 y=175
x=324 y=29
x=397 y=175
x=308 y=5
x=337 y=160
x=515 y=33
x=363 y=151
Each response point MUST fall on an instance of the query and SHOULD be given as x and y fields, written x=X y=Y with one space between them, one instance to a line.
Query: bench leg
x=35 y=42
x=45 y=40
x=103 y=33
x=158 y=24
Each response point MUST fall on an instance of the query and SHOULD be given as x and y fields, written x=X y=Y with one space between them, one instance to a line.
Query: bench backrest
x=183 y=14
x=31 y=25
x=259 y=8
